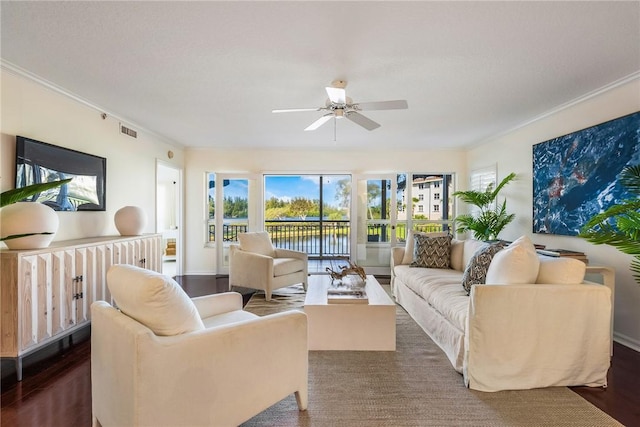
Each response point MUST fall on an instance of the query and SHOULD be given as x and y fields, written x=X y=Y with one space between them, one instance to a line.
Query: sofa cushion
x=409 y=245
x=257 y=242
x=471 y=246
x=152 y=299
x=457 y=248
x=476 y=270
x=284 y=266
x=560 y=271
x=440 y=287
x=516 y=264
x=431 y=252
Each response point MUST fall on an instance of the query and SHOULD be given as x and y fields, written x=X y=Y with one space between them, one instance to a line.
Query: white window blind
x=480 y=178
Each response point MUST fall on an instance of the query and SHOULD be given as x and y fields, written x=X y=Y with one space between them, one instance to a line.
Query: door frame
x=177 y=174
x=255 y=214
x=355 y=246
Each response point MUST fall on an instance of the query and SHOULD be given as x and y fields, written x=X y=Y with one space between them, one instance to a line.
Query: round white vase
x=130 y=220
x=27 y=218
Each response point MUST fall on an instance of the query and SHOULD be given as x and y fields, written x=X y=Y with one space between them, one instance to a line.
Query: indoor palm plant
x=16 y=195
x=490 y=220
x=619 y=225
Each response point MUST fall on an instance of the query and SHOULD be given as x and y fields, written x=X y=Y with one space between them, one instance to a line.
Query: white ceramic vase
x=130 y=220
x=26 y=218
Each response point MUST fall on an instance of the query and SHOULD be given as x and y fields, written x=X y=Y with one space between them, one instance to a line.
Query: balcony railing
x=323 y=238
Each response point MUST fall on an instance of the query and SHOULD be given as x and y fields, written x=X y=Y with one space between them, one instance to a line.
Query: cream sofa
x=555 y=330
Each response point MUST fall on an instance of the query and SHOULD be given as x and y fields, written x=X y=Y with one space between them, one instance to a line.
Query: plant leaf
x=489 y=222
x=619 y=225
x=630 y=178
x=13 y=196
x=17 y=236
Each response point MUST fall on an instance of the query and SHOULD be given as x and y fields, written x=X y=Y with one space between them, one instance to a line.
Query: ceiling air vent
x=130 y=132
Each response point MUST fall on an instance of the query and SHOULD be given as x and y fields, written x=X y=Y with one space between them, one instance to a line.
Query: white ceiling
x=208 y=74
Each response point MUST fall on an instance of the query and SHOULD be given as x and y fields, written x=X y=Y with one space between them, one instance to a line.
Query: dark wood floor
x=56 y=389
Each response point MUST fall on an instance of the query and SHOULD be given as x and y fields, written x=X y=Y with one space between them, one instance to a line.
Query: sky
x=286 y=187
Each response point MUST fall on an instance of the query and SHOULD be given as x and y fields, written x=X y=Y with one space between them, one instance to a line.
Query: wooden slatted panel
x=26 y=308
x=58 y=323
x=69 y=315
x=43 y=303
x=9 y=323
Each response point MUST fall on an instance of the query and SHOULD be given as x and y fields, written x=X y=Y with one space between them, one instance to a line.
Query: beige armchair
x=163 y=359
x=256 y=264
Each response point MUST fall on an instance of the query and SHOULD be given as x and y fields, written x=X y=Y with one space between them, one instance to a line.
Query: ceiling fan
x=339 y=105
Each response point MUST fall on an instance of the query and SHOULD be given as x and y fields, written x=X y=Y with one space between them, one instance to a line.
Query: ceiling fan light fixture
x=339 y=106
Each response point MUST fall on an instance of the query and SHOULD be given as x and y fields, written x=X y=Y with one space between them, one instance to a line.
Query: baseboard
x=626 y=341
x=201 y=273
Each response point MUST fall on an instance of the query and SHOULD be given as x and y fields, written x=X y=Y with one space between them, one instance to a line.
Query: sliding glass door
x=309 y=213
x=328 y=216
x=425 y=203
x=233 y=209
x=375 y=212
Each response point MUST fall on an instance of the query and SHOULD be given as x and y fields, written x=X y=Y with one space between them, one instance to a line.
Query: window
x=480 y=178
x=417 y=199
x=436 y=208
x=310 y=213
x=235 y=207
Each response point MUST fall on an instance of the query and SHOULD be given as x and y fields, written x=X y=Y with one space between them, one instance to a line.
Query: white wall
x=201 y=260
x=513 y=153
x=32 y=110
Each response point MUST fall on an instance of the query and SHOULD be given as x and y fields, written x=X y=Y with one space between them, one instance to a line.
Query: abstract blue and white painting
x=575 y=176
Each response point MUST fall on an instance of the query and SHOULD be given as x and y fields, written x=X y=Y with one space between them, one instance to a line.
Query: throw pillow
x=410 y=246
x=257 y=242
x=476 y=270
x=152 y=299
x=470 y=247
x=516 y=264
x=431 y=252
x=560 y=271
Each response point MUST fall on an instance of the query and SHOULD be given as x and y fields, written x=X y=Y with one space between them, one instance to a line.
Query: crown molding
x=617 y=83
x=28 y=75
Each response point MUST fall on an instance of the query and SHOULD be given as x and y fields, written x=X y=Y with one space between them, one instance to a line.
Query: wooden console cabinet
x=45 y=294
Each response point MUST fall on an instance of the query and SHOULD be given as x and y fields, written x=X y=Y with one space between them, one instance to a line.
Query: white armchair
x=164 y=359
x=256 y=264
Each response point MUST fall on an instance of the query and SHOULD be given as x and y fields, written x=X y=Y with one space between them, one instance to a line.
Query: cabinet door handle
x=77 y=287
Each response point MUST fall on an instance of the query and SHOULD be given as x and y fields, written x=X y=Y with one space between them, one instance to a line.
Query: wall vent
x=129 y=132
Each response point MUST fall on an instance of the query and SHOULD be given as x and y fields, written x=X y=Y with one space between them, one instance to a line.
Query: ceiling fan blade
x=400 y=104
x=322 y=120
x=295 y=110
x=363 y=121
x=337 y=95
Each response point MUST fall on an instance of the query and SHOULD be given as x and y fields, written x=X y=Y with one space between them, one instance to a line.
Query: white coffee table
x=346 y=326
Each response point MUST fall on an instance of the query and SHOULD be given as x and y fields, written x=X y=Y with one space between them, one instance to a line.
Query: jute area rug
x=413 y=386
